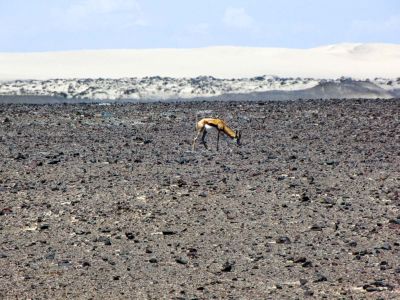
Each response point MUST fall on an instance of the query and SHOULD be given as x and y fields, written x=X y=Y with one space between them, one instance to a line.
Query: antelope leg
x=203 y=139
x=218 y=140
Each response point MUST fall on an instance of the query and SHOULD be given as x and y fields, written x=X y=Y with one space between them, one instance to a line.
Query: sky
x=59 y=25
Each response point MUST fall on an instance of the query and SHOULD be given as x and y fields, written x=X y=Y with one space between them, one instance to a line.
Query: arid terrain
x=110 y=202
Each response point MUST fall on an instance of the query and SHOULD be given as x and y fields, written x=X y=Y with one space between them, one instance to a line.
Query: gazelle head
x=238 y=136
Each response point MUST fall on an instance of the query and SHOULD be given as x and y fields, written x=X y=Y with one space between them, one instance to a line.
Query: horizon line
x=201 y=47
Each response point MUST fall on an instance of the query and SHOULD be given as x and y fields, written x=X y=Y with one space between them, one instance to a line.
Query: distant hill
x=199 y=88
x=348 y=89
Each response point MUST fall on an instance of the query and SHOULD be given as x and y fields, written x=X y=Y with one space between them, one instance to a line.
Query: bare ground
x=100 y=202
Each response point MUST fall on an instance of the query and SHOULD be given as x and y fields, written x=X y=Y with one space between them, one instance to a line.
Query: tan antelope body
x=206 y=124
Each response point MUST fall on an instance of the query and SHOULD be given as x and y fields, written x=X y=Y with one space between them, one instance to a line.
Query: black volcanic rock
x=306 y=207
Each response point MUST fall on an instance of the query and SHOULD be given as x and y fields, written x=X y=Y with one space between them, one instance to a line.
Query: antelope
x=206 y=124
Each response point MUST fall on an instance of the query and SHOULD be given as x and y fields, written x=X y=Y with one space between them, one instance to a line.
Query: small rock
x=377 y=285
x=182 y=160
x=362 y=253
x=168 y=232
x=308 y=293
x=316 y=227
x=329 y=201
x=336 y=227
x=64 y=263
x=227 y=266
x=386 y=246
x=332 y=162
x=369 y=288
x=203 y=194
x=307 y=264
x=300 y=260
x=105 y=229
x=103 y=239
x=153 y=260
x=320 y=278
x=395 y=221
x=6 y=211
x=79 y=231
x=20 y=156
x=44 y=226
x=353 y=244
x=54 y=161
x=283 y=240
x=304 y=198
x=303 y=281
x=129 y=235
x=381 y=283
x=180 y=182
x=85 y=264
x=181 y=261
x=384 y=265
x=192 y=253
x=281 y=177
x=51 y=255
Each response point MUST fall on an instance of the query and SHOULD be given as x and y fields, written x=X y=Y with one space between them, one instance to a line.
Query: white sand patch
x=353 y=60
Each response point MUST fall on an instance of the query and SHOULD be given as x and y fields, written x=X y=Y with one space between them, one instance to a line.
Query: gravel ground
x=100 y=202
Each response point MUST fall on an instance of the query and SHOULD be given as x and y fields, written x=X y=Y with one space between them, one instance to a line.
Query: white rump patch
x=208 y=127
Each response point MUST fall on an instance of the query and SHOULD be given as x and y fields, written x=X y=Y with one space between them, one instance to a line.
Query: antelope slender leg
x=203 y=139
x=218 y=140
x=195 y=139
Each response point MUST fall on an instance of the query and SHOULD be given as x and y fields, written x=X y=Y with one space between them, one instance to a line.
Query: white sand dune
x=354 y=60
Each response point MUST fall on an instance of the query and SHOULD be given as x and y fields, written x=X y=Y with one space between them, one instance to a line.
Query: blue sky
x=53 y=25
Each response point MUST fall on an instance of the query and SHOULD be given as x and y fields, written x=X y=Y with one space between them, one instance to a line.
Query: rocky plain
x=110 y=201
